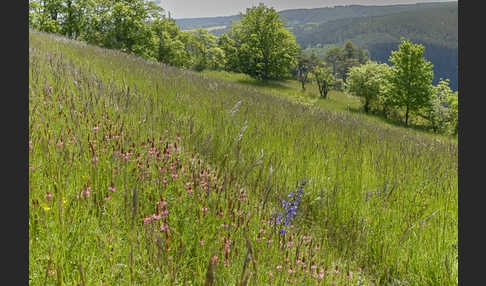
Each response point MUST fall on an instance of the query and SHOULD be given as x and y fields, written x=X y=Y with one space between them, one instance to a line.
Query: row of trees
x=135 y=26
x=258 y=45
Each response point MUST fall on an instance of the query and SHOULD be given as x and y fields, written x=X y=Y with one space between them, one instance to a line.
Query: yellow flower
x=46 y=208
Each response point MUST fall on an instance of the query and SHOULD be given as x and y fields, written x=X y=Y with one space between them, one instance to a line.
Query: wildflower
x=290 y=209
x=290 y=271
x=279 y=267
x=214 y=259
x=107 y=198
x=147 y=220
x=201 y=242
x=270 y=274
x=190 y=191
x=48 y=196
x=204 y=210
x=86 y=192
x=112 y=188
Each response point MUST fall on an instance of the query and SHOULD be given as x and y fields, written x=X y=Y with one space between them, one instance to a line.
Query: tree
x=45 y=15
x=411 y=78
x=305 y=65
x=333 y=57
x=266 y=49
x=228 y=46
x=441 y=111
x=324 y=79
x=367 y=81
x=453 y=104
x=169 y=42
x=349 y=58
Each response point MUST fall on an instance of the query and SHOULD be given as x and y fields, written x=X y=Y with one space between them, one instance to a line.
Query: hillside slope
x=141 y=173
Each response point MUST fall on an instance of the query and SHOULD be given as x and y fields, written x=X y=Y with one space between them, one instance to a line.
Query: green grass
x=380 y=205
x=336 y=101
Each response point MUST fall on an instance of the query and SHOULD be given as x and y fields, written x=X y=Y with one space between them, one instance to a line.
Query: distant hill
x=434 y=27
x=375 y=28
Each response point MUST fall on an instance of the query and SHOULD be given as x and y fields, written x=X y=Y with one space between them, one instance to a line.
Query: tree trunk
x=406 y=116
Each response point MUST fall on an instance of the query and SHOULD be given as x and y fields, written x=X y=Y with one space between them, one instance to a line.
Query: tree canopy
x=411 y=78
x=266 y=49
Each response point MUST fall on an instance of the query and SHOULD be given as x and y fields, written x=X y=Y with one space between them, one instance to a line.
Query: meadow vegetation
x=145 y=174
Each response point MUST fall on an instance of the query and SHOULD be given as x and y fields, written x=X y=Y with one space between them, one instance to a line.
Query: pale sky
x=212 y=8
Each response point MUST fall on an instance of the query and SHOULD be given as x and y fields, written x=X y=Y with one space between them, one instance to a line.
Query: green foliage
x=170 y=43
x=228 y=46
x=305 y=65
x=441 y=111
x=266 y=50
x=411 y=78
x=368 y=81
x=324 y=80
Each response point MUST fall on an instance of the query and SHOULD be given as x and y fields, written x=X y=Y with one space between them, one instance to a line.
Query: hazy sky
x=212 y=8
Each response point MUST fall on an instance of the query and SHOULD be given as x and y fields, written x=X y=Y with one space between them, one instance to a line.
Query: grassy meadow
x=144 y=174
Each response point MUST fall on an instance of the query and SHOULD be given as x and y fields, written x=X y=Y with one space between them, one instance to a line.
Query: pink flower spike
x=147 y=220
x=291 y=271
x=190 y=191
x=279 y=267
x=214 y=259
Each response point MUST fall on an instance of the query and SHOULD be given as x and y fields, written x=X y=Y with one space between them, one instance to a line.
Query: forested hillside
x=435 y=28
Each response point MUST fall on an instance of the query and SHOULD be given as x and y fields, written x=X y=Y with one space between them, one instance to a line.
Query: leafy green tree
x=228 y=46
x=204 y=49
x=169 y=42
x=411 y=78
x=333 y=57
x=305 y=65
x=453 y=104
x=441 y=111
x=266 y=49
x=367 y=81
x=127 y=28
x=324 y=79
x=45 y=15
x=350 y=57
